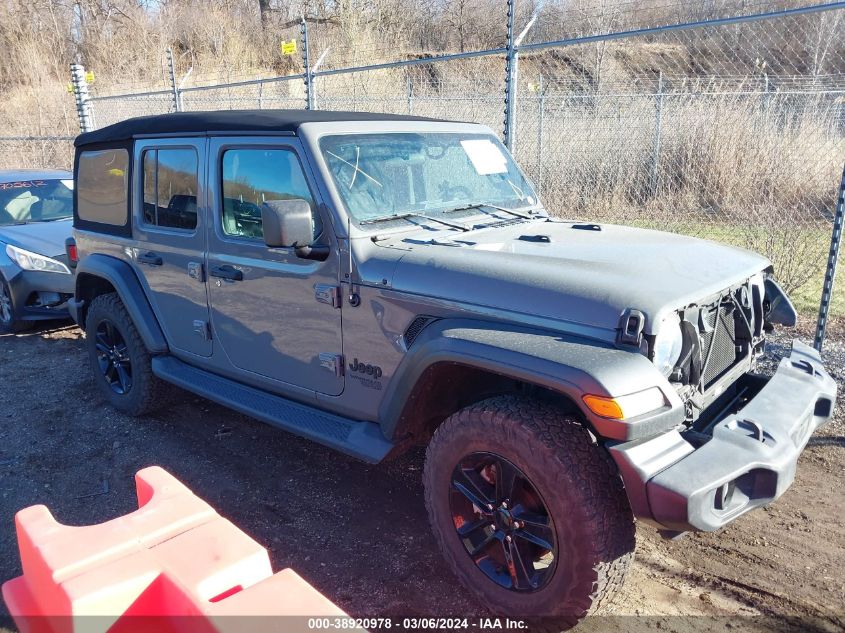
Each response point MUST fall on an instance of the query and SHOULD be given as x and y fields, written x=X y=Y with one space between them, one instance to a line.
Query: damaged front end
x=743 y=432
x=721 y=337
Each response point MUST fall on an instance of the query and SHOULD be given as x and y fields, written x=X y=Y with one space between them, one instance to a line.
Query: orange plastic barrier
x=172 y=565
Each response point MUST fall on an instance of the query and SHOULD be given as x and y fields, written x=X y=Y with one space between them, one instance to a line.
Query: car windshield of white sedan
x=394 y=174
x=25 y=201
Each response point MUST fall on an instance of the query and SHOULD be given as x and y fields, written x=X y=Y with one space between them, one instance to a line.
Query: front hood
x=44 y=238
x=580 y=273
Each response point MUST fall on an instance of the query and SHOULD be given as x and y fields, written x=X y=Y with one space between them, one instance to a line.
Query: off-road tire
x=147 y=390
x=582 y=490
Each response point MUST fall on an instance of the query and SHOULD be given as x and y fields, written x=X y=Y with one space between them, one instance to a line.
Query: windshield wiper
x=478 y=205
x=405 y=216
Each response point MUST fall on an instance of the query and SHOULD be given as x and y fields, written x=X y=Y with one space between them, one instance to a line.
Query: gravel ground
x=360 y=533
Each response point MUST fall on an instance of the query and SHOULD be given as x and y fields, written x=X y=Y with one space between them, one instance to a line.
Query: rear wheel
x=8 y=323
x=529 y=511
x=119 y=359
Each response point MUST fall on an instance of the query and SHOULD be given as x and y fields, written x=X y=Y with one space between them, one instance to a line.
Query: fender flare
x=123 y=279
x=569 y=365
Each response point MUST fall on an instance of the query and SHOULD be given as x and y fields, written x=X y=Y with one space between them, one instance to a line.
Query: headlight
x=668 y=344
x=34 y=261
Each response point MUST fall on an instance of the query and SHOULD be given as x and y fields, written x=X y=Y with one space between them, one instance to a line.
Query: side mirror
x=287 y=223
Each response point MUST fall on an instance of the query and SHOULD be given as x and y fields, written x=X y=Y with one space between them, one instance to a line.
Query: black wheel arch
x=99 y=274
x=445 y=387
x=456 y=362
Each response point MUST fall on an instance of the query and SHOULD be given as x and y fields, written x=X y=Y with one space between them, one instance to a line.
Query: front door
x=268 y=307
x=169 y=226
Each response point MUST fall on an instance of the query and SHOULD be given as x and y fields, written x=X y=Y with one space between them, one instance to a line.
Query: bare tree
x=825 y=30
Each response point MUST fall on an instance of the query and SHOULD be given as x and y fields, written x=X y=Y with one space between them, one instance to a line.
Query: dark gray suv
x=376 y=282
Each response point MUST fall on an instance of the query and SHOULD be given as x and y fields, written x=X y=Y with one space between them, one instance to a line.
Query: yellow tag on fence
x=288 y=48
x=89 y=76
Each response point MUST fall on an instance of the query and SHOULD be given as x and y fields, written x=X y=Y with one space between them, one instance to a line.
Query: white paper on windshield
x=485 y=156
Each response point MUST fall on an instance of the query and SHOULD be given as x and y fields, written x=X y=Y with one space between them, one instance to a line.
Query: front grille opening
x=718 y=343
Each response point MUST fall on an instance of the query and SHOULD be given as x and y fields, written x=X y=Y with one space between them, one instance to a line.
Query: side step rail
x=363 y=440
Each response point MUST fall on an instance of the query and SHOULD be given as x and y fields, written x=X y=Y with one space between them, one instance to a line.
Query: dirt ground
x=360 y=533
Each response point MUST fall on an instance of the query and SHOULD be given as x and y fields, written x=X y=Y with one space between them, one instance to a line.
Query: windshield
x=380 y=175
x=25 y=201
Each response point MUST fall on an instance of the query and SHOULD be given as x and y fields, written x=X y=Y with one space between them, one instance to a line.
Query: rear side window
x=170 y=188
x=252 y=177
x=102 y=192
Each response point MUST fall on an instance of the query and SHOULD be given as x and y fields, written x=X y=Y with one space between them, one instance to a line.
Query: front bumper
x=38 y=295
x=749 y=461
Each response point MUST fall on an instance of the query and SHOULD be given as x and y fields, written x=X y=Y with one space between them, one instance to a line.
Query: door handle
x=226 y=272
x=150 y=258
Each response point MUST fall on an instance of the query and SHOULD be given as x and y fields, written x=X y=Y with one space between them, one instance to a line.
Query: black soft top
x=227 y=121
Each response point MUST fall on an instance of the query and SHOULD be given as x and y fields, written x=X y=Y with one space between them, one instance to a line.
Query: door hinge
x=326 y=293
x=332 y=362
x=202 y=328
x=195 y=271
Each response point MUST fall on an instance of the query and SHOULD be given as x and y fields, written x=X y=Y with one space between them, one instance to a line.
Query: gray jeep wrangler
x=377 y=282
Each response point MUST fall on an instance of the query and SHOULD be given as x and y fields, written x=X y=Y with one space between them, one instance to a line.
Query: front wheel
x=529 y=511
x=8 y=323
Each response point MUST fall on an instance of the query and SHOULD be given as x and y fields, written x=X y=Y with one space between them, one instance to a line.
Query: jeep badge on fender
x=369 y=370
x=565 y=377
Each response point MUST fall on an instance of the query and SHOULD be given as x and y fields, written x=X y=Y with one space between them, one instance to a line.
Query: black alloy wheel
x=113 y=357
x=503 y=523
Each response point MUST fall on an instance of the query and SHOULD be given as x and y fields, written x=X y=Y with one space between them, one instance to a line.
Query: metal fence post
x=80 y=93
x=540 y=116
x=512 y=75
x=171 y=71
x=309 y=96
x=832 y=260
x=410 y=83
x=658 y=133
x=510 y=83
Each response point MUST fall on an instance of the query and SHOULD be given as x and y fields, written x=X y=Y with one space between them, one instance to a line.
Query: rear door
x=273 y=315
x=170 y=203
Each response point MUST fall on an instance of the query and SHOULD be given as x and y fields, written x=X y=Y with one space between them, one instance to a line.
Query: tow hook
x=756 y=428
x=805 y=365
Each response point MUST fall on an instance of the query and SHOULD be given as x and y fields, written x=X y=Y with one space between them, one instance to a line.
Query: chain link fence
x=36 y=152
x=733 y=132
x=728 y=123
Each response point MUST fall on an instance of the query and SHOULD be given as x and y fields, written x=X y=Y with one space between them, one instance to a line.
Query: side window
x=170 y=188
x=254 y=176
x=102 y=186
